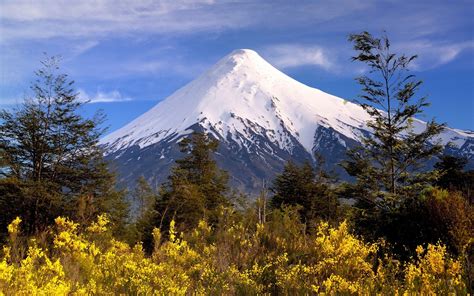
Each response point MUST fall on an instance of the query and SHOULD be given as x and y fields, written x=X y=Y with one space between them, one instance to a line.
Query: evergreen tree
x=294 y=186
x=52 y=164
x=454 y=177
x=307 y=188
x=390 y=165
x=196 y=187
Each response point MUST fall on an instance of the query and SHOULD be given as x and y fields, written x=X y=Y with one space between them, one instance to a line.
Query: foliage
x=144 y=196
x=435 y=216
x=454 y=177
x=434 y=273
x=236 y=257
x=51 y=161
x=195 y=188
x=312 y=190
x=390 y=165
x=187 y=239
x=145 y=199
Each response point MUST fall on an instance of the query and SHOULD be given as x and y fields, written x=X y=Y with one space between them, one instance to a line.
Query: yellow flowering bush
x=236 y=258
x=434 y=273
x=35 y=274
x=338 y=263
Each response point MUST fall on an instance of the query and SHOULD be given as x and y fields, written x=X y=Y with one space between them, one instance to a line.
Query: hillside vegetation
x=238 y=256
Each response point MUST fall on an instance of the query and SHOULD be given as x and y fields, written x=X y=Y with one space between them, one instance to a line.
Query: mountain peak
x=241 y=96
x=243 y=51
x=241 y=60
x=261 y=116
x=242 y=55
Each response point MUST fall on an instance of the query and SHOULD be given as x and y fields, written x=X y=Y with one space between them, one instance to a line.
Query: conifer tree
x=294 y=186
x=454 y=177
x=390 y=166
x=307 y=188
x=52 y=163
x=196 y=187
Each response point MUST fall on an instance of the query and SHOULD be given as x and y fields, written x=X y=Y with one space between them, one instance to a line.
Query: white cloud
x=99 y=97
x=72 y=28
x=83 y=47
x=26 y=20
x=103 y=97
x=163 y=64
x=433 y=54
x=72 y=19
x=447 y=53
x=295 y=55
x=430 y=55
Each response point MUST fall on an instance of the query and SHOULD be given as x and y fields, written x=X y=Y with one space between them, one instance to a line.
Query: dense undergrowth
x=235 y=257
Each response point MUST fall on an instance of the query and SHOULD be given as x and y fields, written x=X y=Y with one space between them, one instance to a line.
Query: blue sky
x=125 y=56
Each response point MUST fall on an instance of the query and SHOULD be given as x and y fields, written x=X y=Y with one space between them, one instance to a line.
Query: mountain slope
x=261 y=116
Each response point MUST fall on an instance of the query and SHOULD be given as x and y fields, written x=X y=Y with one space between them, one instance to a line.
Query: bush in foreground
x=237 y=257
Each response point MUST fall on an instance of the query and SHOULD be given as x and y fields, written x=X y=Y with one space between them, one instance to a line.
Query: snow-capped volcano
x=261 y=116
x=243 y=93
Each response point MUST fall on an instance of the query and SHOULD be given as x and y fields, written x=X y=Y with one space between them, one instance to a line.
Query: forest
x=403 y=225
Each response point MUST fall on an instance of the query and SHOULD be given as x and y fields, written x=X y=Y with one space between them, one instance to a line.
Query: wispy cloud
x=85 y=24
x=103 y=97
x=73 y=19
x=163 y=64
x=434 y=54
x=124 y=40
x=97 y=97
x=295 y=55
x=431 y=54
x=83 y=47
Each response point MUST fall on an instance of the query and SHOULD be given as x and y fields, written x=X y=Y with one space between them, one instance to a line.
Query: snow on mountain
x=242 y=87
x=244 y=101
